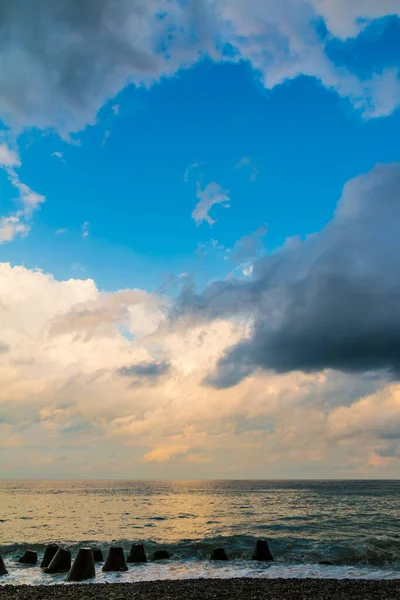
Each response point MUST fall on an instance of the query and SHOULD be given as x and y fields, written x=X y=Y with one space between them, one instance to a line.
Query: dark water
x=355 y=524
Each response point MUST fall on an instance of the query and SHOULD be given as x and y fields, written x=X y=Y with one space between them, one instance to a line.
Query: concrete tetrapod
x=61 y=562
x=29 y=557
x=261 y=551
x=218 y=554
x=3 y=570
x=97 y=555
x=49 y=553
x=115 y=560
x=83 y=566
x=137 y=554
x=161 y=555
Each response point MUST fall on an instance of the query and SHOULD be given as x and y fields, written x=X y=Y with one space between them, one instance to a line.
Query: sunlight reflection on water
x=356 y=524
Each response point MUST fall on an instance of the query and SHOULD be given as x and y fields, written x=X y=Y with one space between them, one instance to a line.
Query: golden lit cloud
x=83 y=396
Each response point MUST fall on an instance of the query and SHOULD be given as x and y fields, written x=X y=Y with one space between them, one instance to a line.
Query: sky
x=200 y=239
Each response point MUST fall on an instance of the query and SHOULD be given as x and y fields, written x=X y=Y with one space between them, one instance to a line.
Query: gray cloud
x=331 y=300
x=61 y=61
x=148 y=371
x=249 y=245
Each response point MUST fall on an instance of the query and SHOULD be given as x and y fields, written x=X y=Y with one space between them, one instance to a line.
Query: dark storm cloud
x=329 y=301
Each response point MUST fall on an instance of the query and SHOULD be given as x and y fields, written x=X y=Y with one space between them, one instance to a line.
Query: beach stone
x=161 y=555
x=137 y=554
x=83 y=566
x=218 y=554
x=261 y=551
x=29 y=557
x=115 y=560
x=49 y=553
x=326 y=562
x=61 y=562
x=3 y=570
x=97 y=555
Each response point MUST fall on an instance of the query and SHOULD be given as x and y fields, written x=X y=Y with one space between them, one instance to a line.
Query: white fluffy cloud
x=346 y=19
x=281 y=41
x=71 y=377
x=60 y=62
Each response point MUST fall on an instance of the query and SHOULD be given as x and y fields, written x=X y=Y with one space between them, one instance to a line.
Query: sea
x=353 y=524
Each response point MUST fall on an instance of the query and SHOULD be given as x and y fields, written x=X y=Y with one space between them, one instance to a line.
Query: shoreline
x=212 y=589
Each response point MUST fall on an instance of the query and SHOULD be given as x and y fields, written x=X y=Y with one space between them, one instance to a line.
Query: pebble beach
x=211 y=589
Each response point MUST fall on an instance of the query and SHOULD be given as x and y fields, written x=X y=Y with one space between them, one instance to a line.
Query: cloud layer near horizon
x=61 y=62
x=105 y=384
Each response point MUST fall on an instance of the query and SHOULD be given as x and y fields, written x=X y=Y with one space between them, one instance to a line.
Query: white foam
x=194 y=569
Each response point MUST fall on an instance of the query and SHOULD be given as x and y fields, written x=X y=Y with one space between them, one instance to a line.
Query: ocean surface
x=354 y=524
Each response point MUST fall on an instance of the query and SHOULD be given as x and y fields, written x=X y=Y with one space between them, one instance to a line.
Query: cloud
x=17 y=224
x=345 y=20
x=378 y=414
x=191 y=168
x=166 y=453
x=73 y=59
x=210 y=248
x=249 y=246
x=281 y=41
x=60 y=156
x=60 y=63
x=246 y=162
x=8 y=158
x=103 y=313
x=85 y=229
x=146 y=372
x=78 y=267
x=11 y=227
x=243 y=162
x=328 y=301
x=62 y=389
x=208 y=197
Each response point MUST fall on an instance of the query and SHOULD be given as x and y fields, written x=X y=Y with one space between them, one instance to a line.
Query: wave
x=372 y=551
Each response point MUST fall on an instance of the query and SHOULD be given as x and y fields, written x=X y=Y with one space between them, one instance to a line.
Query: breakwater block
x=3 y=570
x=262 y=551
x=83 y=566
x=115 y=560
x=97 y=555
x=29 y=557
x=218 y=554
x=49 y=553
x=137 y=554
x=61 y=562
x=161 y=555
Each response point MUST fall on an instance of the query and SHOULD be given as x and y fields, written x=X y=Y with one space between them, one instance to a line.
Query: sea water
x=354 y=524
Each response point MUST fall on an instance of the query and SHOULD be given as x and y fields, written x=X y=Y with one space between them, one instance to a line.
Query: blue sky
x=263 y=112
x=303 y=141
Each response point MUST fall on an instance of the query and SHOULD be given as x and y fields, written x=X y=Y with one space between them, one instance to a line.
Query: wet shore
x=213 y=589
